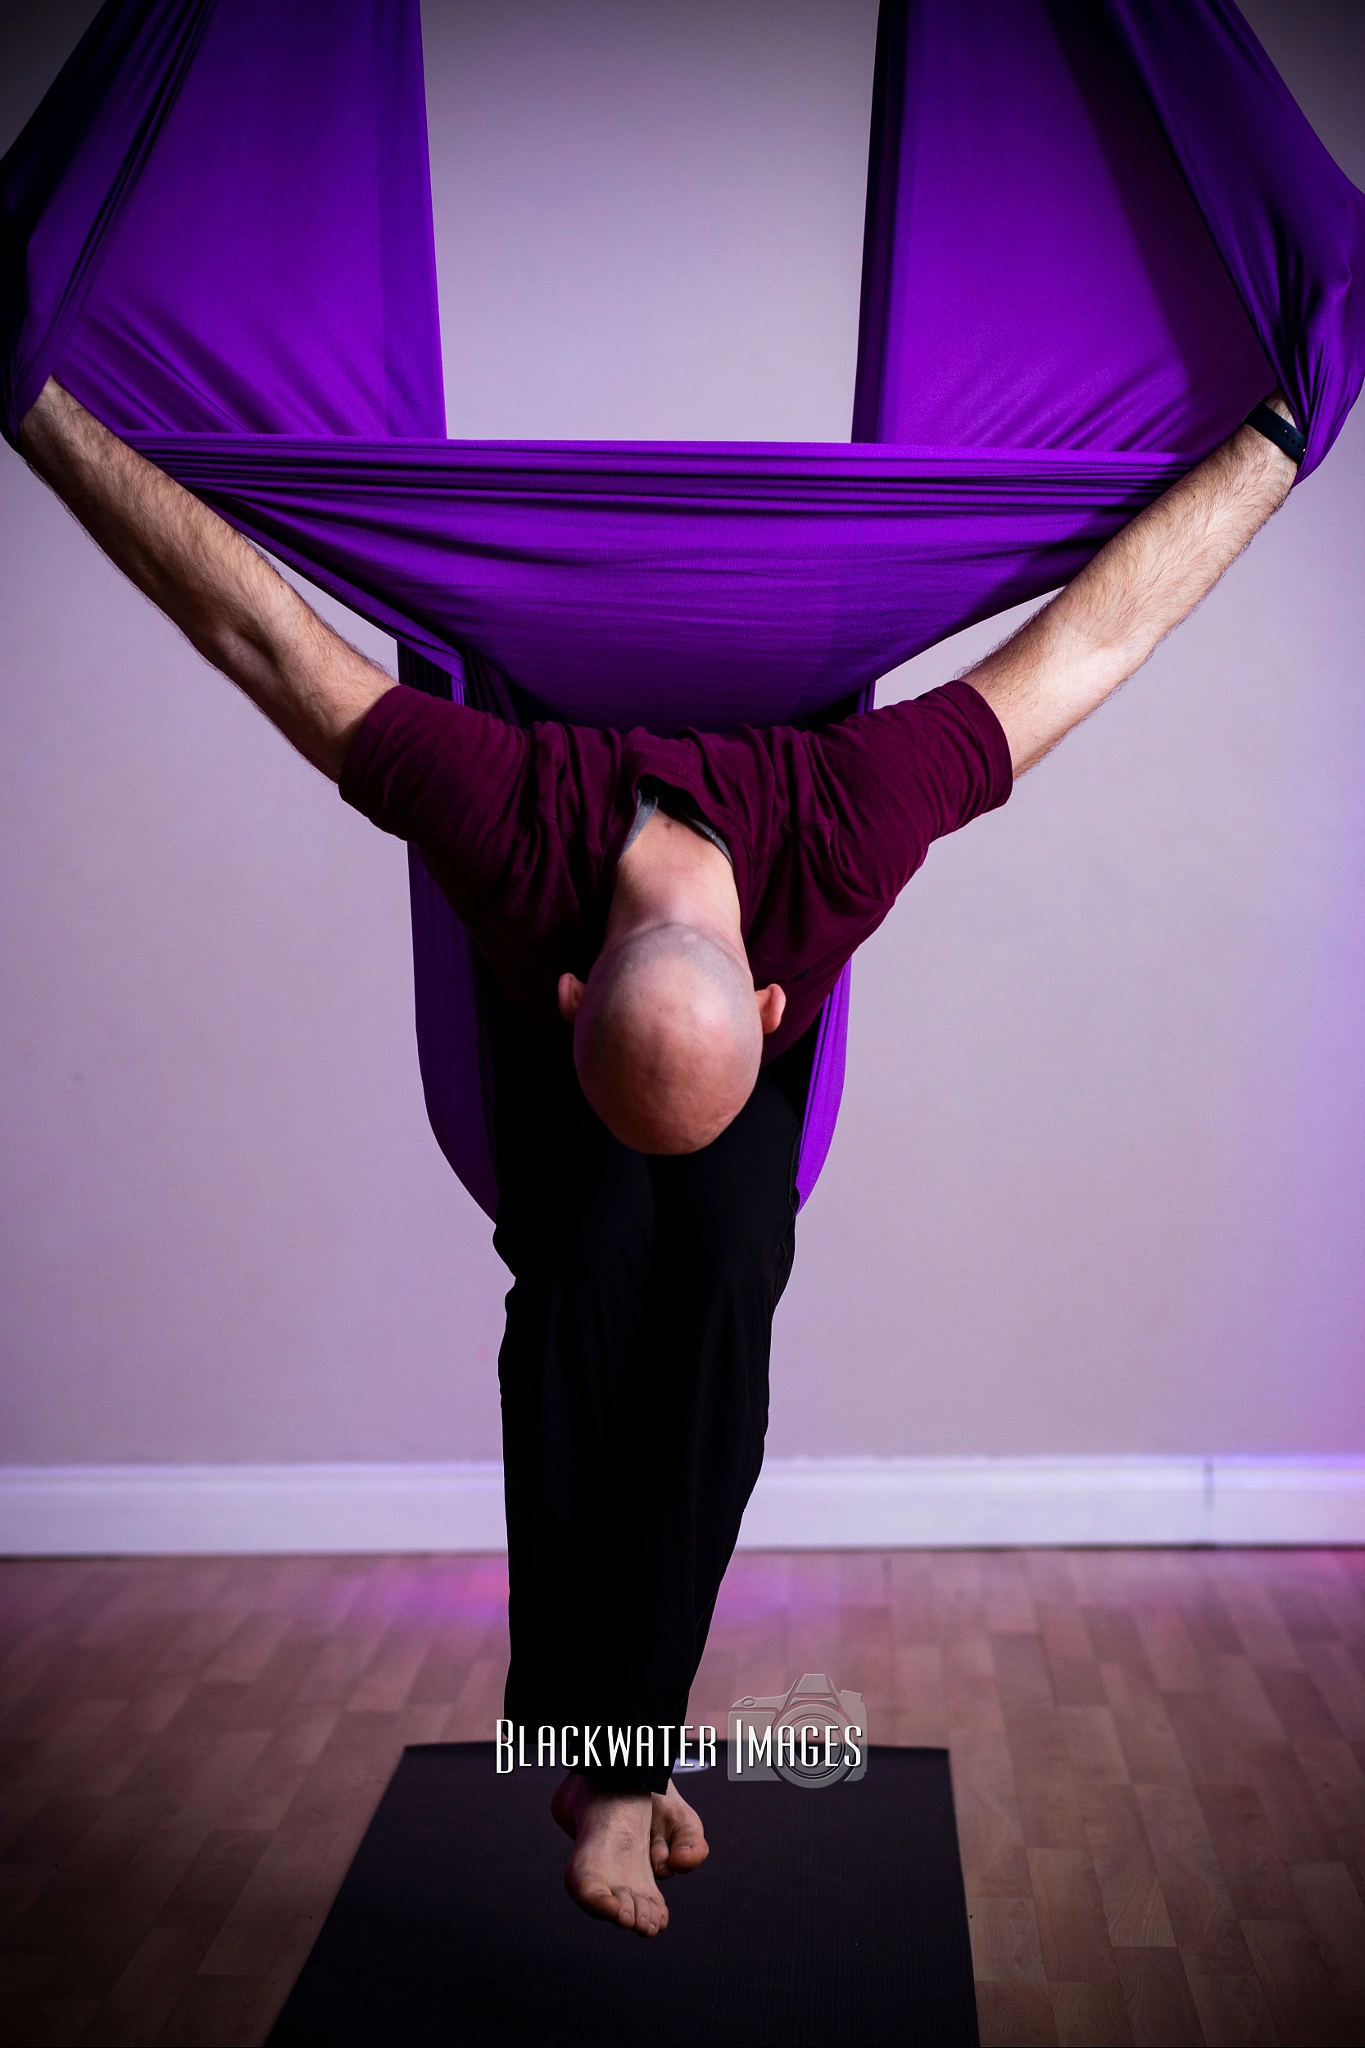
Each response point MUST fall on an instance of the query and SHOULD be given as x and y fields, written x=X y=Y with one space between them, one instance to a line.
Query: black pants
x=634 y=1377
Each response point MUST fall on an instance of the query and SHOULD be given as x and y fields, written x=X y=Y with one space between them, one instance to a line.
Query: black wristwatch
x=1281 y=431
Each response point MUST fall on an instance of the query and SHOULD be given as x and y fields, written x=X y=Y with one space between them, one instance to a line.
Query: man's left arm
x=1063 y=663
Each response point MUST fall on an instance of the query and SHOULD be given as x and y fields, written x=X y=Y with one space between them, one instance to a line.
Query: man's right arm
x=215 y=586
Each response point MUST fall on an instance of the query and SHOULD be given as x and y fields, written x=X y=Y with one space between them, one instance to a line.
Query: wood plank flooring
x=1159 y=1761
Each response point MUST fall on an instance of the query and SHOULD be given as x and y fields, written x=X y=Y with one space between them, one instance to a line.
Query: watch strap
x=1281 y=431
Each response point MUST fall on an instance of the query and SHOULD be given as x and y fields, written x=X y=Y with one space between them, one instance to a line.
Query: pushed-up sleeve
x=445 y=777
x=904 y=776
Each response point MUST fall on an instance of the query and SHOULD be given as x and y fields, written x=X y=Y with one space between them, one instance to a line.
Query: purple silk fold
x=653 y=585
x=235 y=236
x=1095 y=236
x=1289 y=226
x=1041 y=273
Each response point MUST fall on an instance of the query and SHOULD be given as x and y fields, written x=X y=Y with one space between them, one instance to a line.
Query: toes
x=601 y=1901
x=677 y=1840
x=686 y=1848
x=678 y=1829
x=651 y=1914
x=636 y=1912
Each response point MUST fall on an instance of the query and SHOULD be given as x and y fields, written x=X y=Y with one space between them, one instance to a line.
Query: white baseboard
x=800 y=1504
x=217 y=1510
x=970 y=1503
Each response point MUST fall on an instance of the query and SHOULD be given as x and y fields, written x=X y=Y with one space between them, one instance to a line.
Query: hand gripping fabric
x=1096 y=236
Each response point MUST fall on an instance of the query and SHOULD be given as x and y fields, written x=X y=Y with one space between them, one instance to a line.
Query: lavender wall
x=1099 y=1180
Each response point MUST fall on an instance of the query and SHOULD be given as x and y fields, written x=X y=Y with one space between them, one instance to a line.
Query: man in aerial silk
x=1096 y=238
x=650 y=1198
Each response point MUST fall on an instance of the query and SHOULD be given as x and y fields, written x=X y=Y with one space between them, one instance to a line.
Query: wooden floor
x=1159 y=1761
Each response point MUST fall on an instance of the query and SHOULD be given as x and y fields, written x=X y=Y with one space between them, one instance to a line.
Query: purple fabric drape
x=1095 y=237
x=219 y=222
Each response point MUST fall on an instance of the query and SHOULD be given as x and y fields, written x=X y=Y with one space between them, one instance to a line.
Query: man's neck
x=671 y=875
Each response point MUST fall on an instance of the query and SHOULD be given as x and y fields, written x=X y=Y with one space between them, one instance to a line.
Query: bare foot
x=609 y=1873
x=677 y=1841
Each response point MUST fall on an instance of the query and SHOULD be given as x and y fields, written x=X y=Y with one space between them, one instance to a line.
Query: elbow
x=1108 y=661
x=248 y=658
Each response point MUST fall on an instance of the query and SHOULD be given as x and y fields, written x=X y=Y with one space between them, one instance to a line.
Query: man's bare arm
x=1066 y=659
x=223 y=595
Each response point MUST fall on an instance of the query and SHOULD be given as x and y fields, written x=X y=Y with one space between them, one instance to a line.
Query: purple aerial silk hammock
x=1096 y=235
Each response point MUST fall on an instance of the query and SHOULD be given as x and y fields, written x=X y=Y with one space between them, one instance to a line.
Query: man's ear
x=772 y=1001
x=570 y=996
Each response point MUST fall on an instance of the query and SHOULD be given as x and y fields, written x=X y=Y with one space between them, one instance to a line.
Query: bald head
x=668 y=1035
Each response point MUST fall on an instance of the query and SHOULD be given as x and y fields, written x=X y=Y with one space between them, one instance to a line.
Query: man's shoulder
x=952 y=723
x=414 y=756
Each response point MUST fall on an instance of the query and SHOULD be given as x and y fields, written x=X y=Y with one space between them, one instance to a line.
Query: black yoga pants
x=634 y=1381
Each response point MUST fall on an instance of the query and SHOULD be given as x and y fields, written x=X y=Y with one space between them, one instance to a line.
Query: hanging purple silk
x=1094 y=238
x=225 y=212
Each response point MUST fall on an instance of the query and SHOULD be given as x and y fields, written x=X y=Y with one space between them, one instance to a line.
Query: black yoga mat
x=821 y=1917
